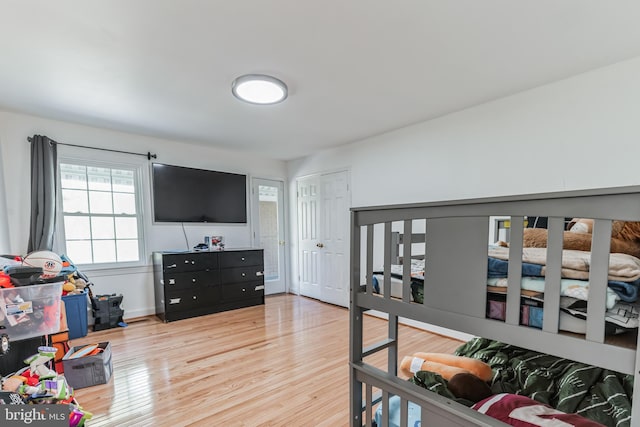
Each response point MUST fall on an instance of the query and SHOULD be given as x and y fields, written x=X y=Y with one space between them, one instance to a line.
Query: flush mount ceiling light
x=259 y=89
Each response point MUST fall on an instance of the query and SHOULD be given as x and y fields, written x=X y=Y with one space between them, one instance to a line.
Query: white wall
x=4 y=226
x=578 y=133
x=136 y=284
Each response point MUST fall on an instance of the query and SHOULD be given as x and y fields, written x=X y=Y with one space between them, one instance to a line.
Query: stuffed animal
x=74 y=285
x=625 y=236
x=466 y=377
x=469 y=387
x=446 y=365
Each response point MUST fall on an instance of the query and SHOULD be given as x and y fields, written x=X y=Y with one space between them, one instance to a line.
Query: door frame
x=255 y=220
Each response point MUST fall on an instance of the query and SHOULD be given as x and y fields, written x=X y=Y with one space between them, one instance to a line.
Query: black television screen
x=182 y=194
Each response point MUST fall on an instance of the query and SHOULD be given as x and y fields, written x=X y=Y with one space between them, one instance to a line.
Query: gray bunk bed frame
x=459 y=230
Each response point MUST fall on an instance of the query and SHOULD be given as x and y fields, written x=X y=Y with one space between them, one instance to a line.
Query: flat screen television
x=182 y=194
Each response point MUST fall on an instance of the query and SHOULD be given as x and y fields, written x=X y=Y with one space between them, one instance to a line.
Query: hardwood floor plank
x=281 y=364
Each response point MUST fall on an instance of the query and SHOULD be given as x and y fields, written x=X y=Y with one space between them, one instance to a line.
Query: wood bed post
x=355 y=326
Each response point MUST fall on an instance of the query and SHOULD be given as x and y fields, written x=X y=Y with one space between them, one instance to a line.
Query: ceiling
x=354 y=68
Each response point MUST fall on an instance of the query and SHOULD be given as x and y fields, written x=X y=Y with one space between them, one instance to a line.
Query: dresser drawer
x=242 y=274
x=188 y=300
x=173 y=280
x=240 y=258
x=242 y=291
x=189 y=262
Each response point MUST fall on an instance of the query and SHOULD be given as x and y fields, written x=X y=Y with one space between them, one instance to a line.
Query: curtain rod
x=148 y=155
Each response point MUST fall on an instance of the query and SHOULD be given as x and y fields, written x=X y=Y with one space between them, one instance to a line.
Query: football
x=50 y=262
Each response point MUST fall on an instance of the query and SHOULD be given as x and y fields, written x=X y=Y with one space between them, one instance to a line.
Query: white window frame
x=108 y=160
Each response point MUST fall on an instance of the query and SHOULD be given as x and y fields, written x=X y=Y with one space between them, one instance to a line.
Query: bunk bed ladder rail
x=435 y=410
x=357 y=352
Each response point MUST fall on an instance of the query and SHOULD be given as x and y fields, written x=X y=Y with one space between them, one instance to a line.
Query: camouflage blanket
x=596 y=393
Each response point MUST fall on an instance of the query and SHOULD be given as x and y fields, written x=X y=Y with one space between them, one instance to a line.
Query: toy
x=38 y=384
x=469 y=387
x=447 y=365
x=37 y=362
x=465 y=377
x=5 y=280
x=50 y=262
x=625 y=236
x=12 y=383
x=411 y=365
x=4 y=341
x=68 y=287
x=86 y=350
x=75 y=284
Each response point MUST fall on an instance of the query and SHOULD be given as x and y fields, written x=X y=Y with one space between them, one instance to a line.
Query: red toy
x=5 y=280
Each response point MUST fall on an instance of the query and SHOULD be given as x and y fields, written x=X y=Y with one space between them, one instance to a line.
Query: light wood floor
x=281 y=364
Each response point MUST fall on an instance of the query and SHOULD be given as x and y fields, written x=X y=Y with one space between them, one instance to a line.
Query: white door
x=308 y=239
x=323 y=218
x=268 y=231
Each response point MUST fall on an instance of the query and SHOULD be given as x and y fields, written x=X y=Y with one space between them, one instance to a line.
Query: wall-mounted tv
x=182 y=194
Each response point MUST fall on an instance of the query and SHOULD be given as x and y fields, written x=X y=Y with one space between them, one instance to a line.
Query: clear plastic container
x=30 y=311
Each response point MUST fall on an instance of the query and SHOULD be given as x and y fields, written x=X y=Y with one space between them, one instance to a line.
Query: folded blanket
x=627 y=289
x=578 y=289
x=576 y=264
x=498 y=268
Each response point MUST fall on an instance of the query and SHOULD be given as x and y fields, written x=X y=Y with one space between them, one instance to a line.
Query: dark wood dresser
x=189 y=284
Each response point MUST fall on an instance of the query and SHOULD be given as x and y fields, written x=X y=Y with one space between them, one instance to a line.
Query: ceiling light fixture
x=259 y=89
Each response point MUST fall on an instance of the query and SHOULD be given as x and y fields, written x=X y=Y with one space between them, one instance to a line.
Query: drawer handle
x=195 y=297
x=242 y=258
x=243 y=274
x=172 y=281
x=193 y=262
x=174 y=300
x=259 y=273
x=244 y=290
x=171 y=266
x=193 y=280
x=186 y=261
x=259 y=288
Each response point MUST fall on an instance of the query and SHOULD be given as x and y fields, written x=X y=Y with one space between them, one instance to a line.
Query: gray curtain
x=44 y=166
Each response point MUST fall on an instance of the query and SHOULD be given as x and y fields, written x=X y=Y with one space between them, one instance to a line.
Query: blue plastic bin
x=76 y=309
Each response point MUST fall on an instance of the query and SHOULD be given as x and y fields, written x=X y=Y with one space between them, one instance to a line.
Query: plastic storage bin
x=30 y=311
x=76 y=309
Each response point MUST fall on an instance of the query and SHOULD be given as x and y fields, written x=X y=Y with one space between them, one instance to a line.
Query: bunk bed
x=456 y=252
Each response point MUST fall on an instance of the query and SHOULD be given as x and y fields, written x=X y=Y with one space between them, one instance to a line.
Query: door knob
x=320 y=245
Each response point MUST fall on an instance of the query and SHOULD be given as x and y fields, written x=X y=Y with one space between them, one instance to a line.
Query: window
x=100 y=213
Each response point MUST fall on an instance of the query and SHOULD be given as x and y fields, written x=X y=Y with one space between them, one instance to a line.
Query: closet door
x=308 y=239
x=323 y=219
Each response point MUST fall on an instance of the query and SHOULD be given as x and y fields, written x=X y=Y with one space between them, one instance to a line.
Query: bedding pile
x=598 y=394
x=623 y=310
x=622 y=291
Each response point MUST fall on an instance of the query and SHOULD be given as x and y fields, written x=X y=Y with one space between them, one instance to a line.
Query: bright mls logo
x=34 y=415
